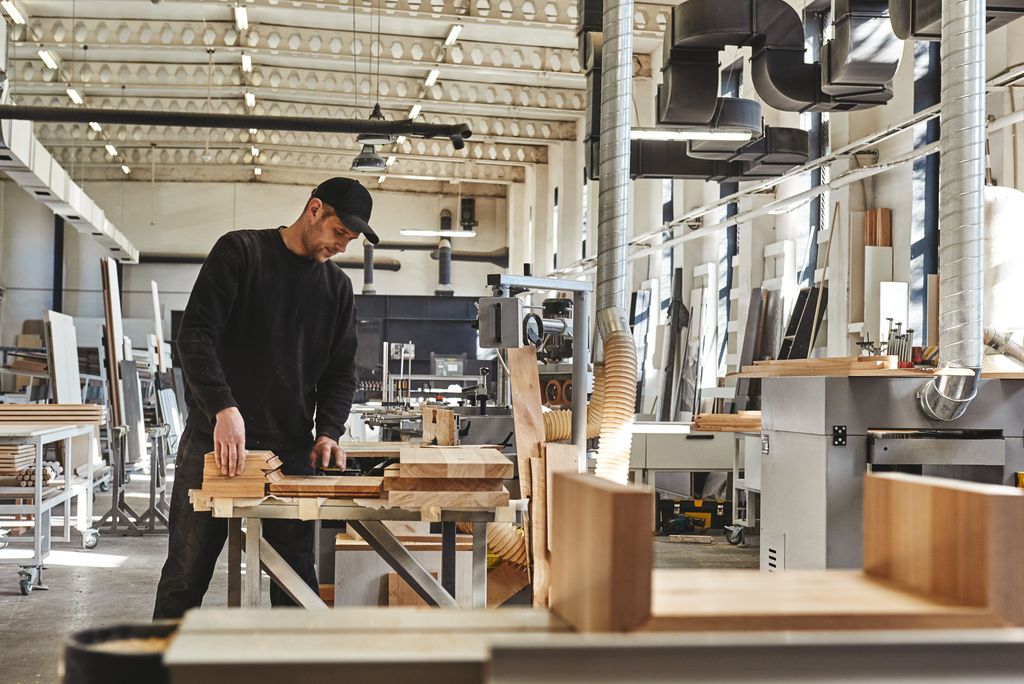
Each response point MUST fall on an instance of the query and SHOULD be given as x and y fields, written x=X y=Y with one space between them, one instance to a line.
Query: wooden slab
x=393 y=480
x=601 y=553
x=539 y=534
x=418 y=462
x=439 y=426
x=323 y=485
x=62 y=357
x=448 y=500
x=527 y=415
x=401 y=594
x=744 y=421
x=558 y=458
x=964 y=544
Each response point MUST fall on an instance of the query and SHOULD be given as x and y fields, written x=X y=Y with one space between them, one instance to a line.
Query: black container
x=84 y=662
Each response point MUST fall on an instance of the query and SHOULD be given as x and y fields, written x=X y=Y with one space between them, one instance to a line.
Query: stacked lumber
x=14 y=458
x=260 y=468
x=837 y=366
x=744 y=421
x=452 y=478
x=45 y=414
x=326 y=486
x=27 y=361
x=51 y=471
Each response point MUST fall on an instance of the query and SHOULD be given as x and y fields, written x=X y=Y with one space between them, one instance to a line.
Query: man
x=268 y=339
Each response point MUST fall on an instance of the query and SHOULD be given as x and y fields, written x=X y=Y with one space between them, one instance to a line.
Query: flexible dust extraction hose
x=558 y=424
x=613 y=450
x=1004 y=345
x=504 y=540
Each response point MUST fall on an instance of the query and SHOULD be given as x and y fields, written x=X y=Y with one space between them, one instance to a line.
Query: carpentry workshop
x=466 y=342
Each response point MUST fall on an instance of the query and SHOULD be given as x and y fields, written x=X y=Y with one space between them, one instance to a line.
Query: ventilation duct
x=368 y=287
x=860 y=62
x=921 y=19
x=444 y=269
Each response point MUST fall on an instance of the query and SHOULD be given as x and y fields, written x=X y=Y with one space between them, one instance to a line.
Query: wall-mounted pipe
x=368 y=287
x=379 y=263
x=498 y=257
x=457 y=133
x=444 y=269
x=961 y=211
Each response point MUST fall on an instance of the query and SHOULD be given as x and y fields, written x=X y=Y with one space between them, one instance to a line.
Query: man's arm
x=335 y=388
x=202 y=328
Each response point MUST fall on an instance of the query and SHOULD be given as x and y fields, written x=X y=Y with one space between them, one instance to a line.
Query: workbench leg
x=479 y=565
x=253 y=571
x=448 y=557
x=234 y=562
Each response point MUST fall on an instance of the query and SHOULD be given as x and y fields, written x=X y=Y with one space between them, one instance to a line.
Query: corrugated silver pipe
x=616 y=432
x=368 y=287
x=961 y=211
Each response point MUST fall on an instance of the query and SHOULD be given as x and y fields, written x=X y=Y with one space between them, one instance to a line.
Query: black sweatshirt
x=273 y=334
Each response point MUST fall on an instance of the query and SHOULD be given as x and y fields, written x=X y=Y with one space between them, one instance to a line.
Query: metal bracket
x=838 y=435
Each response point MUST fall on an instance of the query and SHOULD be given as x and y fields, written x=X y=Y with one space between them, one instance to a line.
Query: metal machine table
x=45 y=499
x=368 y=522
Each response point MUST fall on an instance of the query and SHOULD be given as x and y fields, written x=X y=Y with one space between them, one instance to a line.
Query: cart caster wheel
x=734 y=535
x=91 y=539
x=26 y=587
x=104 y=486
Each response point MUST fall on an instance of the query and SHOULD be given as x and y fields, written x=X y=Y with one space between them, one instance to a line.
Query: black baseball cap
x=351 y=202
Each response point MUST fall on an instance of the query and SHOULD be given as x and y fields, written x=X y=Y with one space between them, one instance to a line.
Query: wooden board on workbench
x=326 y=486
x=744 y=421
x=439 y=426
x=527 y=415
x=394 y=480
x=251 y=483
x=448 y=500
x=420 y=462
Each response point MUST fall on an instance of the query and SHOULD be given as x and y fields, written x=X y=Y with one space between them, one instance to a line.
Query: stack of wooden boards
x=260 y=468
x=448 y=477
x=924 y=566
x=46 y=414
x=15 y=457
x=326 y=486
x=837 y=366
x=744 y=421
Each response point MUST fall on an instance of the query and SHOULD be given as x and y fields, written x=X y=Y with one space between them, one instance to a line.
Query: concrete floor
x=115 y=583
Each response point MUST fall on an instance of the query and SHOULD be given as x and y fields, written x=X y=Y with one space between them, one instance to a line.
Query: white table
x=43 y=499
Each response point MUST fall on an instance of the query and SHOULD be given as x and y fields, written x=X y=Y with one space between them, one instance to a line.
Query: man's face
x=328 y=235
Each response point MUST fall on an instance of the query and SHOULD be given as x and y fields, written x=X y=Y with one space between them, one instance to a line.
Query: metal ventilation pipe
x=444 y=269
x=368 y=287
x=961 y=211
x=616 y=432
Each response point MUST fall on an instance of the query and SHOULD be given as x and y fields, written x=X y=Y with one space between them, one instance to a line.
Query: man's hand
x=324 y=450
x=229 y=441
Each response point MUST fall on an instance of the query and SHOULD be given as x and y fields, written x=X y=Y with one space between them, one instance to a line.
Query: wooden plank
x=158 y=327
x=539 y=534
x=62 y=358
x=113 y=334
x=527 y=416
x=439 y=426
x=401 y=594
x=393 y=480
x=957 y=541
x=601 y=553
x=558 y=458
x=418 y=462
x=448 y=500
x=745 y=421
x=323 y=485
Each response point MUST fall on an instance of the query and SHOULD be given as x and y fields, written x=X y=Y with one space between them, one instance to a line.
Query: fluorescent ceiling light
x=255 y=151
x=48 y=59
x=667 y=134
x=75 y=97
x=241 y=18
x=246 y=63
x=111 y=150
x=431 y=77
x=95 y=126
x=391 y=160
x=253 y=131
x=415 y=111
x=124 y=167
x=250 y=99
x=400 y=140
x=381 y=179
x=257 y=171
x=414 y=232
x=12 y=11
x=453 y=35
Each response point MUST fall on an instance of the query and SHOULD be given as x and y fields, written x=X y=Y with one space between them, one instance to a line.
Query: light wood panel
x=326 y=486
x=744 y=421
x=394 y=481
x=250 y=483
x=62 y=358
x=448 y=500
x=439 y=426
x=558 y=458
x=401 y=594
x=419 y=462
x=601 y=553
x=113 y=336
x=527 y=415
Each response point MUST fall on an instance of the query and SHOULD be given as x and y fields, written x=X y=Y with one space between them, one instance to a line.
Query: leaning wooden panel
x=601 y=553
x=527 y=415
x=958 y=541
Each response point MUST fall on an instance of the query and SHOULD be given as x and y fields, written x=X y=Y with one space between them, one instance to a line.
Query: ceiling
x=513 y=74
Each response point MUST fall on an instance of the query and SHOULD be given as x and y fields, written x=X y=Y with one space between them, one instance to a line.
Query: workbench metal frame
x=368 y=522
x=45 y=499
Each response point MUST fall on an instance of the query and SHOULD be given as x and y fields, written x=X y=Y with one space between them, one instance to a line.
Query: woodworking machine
x=820 y=434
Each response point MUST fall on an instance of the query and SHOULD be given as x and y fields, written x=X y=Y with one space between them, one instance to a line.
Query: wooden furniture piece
x=939 y=553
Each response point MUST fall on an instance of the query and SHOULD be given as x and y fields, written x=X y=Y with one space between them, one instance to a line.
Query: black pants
x=196 y=539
